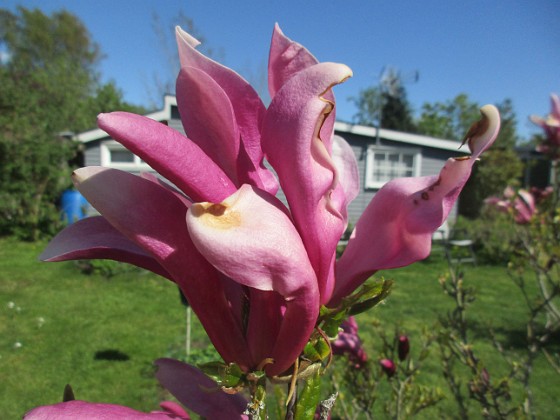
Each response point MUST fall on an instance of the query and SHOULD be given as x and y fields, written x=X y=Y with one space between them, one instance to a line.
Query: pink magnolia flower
x=348 y=342
x=388 y=366
x=551 y=126
x=254 y=270
x=188 y=384
x=522 y=203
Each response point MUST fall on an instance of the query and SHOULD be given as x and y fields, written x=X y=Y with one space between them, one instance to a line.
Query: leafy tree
x=164 y=82
x=396 y=112
x=49 y=86
x=448 y=120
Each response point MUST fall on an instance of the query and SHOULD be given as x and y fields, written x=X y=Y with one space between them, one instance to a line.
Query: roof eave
x=399 y=136
x=162 y=115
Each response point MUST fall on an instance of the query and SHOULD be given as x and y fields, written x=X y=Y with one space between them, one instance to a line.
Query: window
x=384 y=164
x=115 y=155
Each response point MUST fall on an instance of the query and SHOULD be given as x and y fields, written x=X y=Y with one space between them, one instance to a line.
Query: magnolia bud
x=388 y=367
x=403 y=347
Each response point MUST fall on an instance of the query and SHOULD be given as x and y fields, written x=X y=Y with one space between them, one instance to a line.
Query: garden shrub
x=494 y=236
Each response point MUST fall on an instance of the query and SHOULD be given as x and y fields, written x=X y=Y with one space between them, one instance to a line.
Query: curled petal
x=482 y=133
x=396 y=228
x=170 y=153
x=198 y=392
x=347 y=168
x=93 y=238
x=250 y=238
x=286 y=58
x=247 y=106
x=297 y=149
x=154 y=218
x=85 y=410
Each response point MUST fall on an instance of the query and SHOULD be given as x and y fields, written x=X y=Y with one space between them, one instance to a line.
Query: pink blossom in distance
x=551 y=126
x=521 y=203
x=348 y=342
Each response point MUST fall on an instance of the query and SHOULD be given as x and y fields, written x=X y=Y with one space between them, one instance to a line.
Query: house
x=394 y=154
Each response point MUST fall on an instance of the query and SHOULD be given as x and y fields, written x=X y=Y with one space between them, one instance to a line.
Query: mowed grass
x=102 y=335
x=99 y=335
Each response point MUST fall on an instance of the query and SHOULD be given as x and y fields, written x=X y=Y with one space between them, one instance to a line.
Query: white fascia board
x=407 y=138
x=163 y=115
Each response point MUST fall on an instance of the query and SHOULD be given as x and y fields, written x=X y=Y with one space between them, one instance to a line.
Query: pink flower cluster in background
x=551 y=126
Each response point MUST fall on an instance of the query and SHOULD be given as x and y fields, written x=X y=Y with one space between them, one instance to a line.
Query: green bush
x=494 y=236
x=106 y=268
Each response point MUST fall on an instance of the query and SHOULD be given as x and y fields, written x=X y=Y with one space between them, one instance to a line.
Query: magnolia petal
x=555 y=106
x=179 y=194
x=301 y=158
x=347 y=169
x=264 y=323
x=250 y=238
x=482 y=133
x=247 y=106
x=154 y=218
x=286 y=58
x=198 y=392
x=524 y=205
x=77 y=409
x=396 y=228
x=95 y=238
x=170 y=153
x=208 y=118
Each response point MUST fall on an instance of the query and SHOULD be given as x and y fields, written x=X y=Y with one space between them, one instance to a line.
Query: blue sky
x=490 y=50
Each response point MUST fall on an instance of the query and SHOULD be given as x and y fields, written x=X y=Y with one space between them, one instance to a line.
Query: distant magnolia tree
x=50 y=87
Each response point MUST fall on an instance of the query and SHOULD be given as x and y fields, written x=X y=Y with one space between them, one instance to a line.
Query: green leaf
x=309 y=398
x=371 y=295
x=225 y=375
x=331 y=324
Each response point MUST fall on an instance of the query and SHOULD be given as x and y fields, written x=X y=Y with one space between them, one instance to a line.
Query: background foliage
x=50 y=89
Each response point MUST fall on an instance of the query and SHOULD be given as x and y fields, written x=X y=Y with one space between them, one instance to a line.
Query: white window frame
x=136 y=165
x=372 y=183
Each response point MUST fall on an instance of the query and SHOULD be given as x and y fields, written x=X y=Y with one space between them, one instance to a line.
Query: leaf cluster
x=50 y=89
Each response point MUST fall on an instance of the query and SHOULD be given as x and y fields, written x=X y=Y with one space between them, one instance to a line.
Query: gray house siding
x=92 y=153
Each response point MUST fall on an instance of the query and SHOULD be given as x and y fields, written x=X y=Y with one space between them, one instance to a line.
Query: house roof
x=398 y=136
x=162 y=115
x=341 y=127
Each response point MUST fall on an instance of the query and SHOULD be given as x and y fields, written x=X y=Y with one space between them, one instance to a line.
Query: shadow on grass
x=514 y=337
x=111 y=354
x=510 y=338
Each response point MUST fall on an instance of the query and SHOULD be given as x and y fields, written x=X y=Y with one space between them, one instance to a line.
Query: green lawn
x=101 y=335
